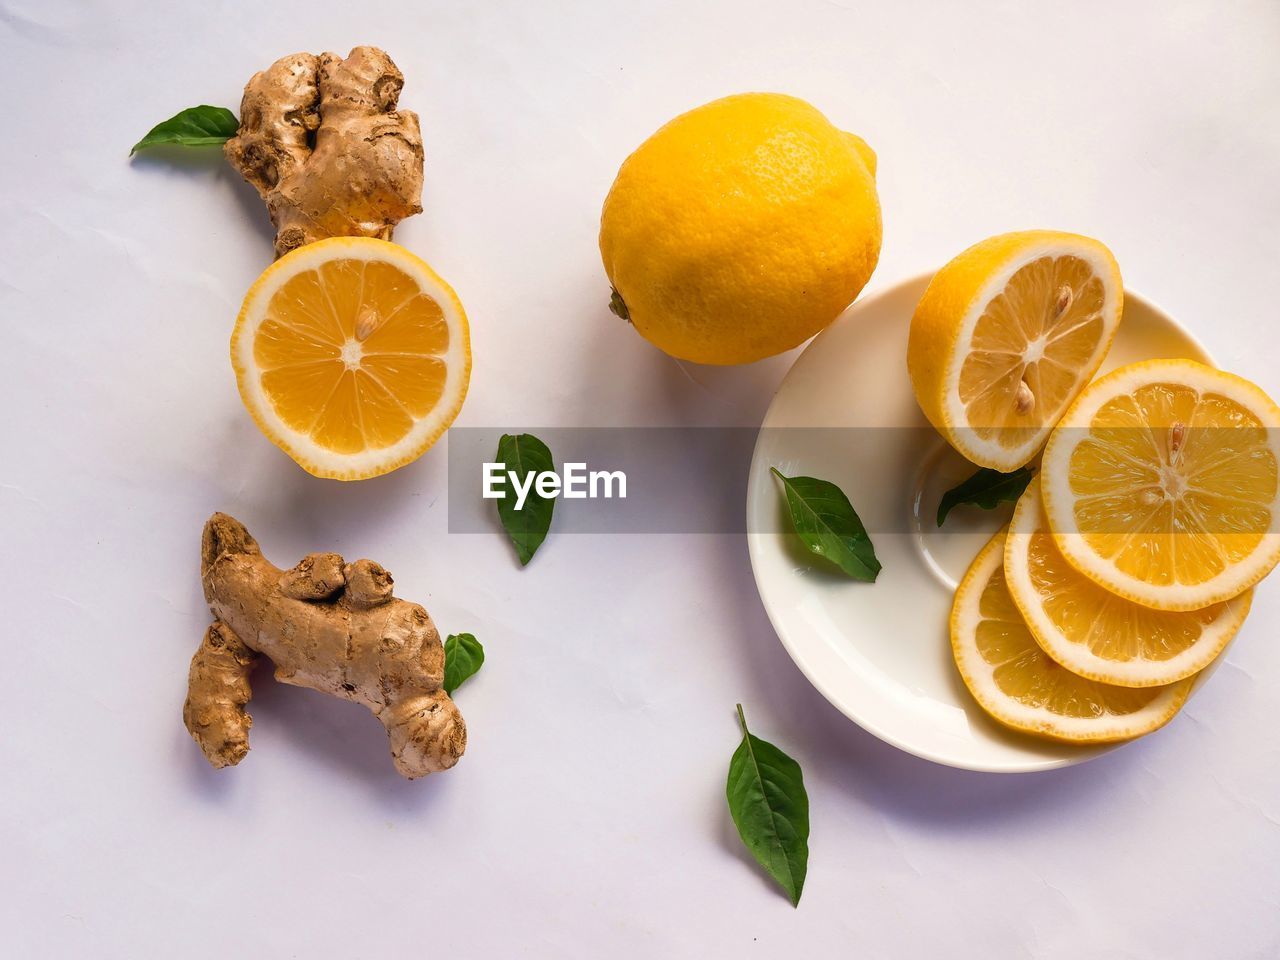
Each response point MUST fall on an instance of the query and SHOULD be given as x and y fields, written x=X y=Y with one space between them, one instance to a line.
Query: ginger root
x=327 y=625
x=322 y=141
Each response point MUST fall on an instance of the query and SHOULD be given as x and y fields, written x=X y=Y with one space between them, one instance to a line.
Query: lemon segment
x=1161 y=484
x=1095 y=633
x=352 y=356
x=1020 y=686
x=1005 y=337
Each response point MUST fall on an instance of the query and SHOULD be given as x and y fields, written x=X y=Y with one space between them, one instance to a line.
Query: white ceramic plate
x=880 y=652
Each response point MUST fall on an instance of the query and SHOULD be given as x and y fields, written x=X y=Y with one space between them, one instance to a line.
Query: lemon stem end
x=618 y=305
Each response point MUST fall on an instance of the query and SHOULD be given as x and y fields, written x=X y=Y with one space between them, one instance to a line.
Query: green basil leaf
x=463 y=657
x=527 y=527
x=828 y=525
x=770 y=808
x=193 y=127
x=986 y=489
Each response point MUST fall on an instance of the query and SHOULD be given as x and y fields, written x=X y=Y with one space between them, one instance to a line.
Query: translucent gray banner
x=695 y=479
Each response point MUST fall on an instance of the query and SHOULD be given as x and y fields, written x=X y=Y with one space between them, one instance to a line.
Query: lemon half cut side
x=1005 y=337
x=352 y=356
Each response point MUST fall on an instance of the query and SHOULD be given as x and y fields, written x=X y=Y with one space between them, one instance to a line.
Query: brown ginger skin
x=327 y=625
x=322 y=141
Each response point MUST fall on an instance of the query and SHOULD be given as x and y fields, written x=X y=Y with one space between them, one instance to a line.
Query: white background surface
x=587 y=818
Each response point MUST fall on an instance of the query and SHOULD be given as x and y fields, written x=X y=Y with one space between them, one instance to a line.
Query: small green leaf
x=986 y=489
x=463 y=657
x=193 y=127
x=527 y=527
x=770 y=808
x=828 y=525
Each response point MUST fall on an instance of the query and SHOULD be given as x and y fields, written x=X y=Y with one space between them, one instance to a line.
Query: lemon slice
x=1093 y=632
x=1005 y=337
x=352 y=356
x=1019 y=685
x=1161 y=481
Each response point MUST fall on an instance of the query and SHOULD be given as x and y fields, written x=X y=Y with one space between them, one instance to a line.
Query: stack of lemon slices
x=1130 y=560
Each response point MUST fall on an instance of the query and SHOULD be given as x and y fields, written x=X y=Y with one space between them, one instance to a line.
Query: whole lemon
x=741 y=228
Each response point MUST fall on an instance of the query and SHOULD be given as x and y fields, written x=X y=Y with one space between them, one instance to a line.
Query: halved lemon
x=1093 y=632
x=352 y=356
x=1019 y=685
x=1005 y=337
x=1162 y=484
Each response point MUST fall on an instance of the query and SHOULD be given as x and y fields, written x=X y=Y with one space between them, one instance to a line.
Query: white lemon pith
x=1095 y=633
x=352 y=356
x=1020 y=686
x=1161 y=484
x=1005 y=337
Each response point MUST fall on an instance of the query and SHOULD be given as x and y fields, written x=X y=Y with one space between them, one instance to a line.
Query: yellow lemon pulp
x=353 y=356
x=1018 y=684
x=1096 y=633
x=1023 y=337
x=1006 y=335
x=350 y=354
x=1161 y=484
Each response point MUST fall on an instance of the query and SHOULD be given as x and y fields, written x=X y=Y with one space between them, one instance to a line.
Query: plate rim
x=797 y=657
